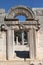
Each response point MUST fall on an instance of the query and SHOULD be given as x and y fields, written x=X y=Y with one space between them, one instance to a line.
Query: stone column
x=9 y=44
x=31 y=41
x=17 y=40
x=23 y=37
x=28 y=38
x=14 y=54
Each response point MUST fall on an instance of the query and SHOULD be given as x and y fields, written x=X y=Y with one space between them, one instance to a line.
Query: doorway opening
x=21 y=44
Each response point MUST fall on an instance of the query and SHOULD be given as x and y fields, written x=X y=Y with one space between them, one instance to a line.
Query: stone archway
x=21 y=10
x=28 y=13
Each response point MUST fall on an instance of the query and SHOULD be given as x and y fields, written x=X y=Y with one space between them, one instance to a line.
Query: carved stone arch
x=20 y=10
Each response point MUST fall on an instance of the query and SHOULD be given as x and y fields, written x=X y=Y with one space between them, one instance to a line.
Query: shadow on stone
x=23 y=54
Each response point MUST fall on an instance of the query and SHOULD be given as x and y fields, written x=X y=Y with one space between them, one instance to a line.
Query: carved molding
x=20 y=10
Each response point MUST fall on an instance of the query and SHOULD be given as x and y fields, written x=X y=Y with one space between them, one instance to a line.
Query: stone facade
x=33 y=26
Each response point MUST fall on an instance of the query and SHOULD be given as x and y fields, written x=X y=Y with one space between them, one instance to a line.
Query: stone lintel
x=6 y=19
x=31 y=19
x=19 y=28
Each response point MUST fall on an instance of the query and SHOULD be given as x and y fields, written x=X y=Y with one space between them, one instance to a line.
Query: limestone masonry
x=21 y=42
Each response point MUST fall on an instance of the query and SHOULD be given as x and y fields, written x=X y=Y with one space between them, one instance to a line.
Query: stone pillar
x=9 y=44
x=31 y=41
x=14 y=54
x=23 y=37
x=17 y=40
x=13 y=37
x=28 y=38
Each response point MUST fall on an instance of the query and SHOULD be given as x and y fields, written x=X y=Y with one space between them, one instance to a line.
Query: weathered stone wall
x=2 y=45
x=2 y=15
x=39 y=35
x=21 y=62
x=39 y=45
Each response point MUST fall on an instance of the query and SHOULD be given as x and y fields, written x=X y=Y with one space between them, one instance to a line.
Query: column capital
x=27 y=30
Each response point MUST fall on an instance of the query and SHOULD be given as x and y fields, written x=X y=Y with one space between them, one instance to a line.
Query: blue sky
x=7 y=4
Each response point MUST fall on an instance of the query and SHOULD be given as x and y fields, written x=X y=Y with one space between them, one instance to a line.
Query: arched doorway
x=28 y=13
